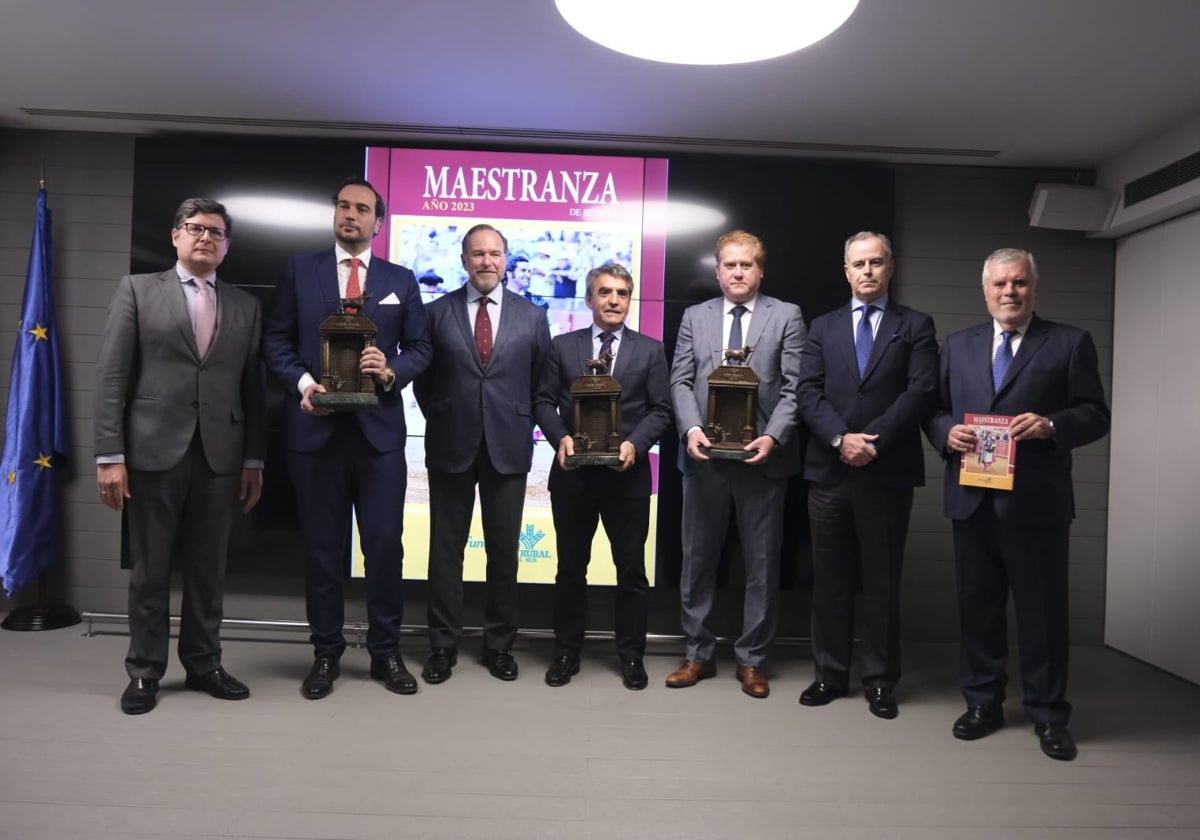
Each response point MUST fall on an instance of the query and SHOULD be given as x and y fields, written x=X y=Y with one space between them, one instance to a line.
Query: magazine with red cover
x=992 y=463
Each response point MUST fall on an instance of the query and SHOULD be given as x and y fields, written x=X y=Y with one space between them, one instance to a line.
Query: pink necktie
x=204 y=317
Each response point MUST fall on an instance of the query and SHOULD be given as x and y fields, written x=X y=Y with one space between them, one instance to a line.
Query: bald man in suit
x=180 y=438
x=1045 y=376
x=753 y=489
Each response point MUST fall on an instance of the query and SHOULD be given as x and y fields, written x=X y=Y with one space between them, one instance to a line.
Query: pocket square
x=390 y=300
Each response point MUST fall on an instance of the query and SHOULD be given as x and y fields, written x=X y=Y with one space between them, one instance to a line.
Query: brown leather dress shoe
x=753 y=680
x=689 y=673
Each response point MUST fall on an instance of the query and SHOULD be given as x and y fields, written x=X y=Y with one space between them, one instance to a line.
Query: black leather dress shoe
x=882 y=702
x=140 y=696
x=820 y=693
x=219 y=683
x=319 y=682
x=500 y=664
x=633 y=674
x=561 y=670
x=1056 y=741
x=978 y=721
x=391 y=672
x=439 y=665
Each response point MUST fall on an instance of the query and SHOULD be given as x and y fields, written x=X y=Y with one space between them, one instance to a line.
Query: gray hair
x=863 y=235
x=612 y=269
x=1006 y=255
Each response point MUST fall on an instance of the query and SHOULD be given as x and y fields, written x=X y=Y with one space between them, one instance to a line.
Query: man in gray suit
x=754 y=489
x=489 y=345
x=180 y=440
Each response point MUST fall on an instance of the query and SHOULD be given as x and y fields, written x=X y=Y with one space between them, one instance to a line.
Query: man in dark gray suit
x=867 y=380
x=753 y=488
x=489 y=345
x=619 y=495
x=180 y=441
x=1046 y=377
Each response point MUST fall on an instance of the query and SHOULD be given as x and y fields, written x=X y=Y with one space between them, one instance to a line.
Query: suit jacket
x=891 y=398
x=1055 y=373
x=464 y=403
x=153 y=389
x=641 y=371
x=776 y=333
x=308 y=294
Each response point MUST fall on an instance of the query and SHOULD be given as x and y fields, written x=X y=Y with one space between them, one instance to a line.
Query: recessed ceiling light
x=705 y=31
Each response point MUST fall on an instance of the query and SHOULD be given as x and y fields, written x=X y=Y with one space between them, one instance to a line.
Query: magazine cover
x=992 y=462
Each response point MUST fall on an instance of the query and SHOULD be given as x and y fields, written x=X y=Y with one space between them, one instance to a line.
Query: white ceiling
x=1069 y=83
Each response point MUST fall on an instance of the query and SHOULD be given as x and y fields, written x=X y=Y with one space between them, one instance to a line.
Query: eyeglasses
x=193 y=229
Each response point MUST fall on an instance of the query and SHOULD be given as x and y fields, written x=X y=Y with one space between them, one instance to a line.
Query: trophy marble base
x=594 y=460
x=718 y=453
x=345 y=402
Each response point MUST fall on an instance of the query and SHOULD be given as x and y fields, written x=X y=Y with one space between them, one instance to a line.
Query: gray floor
x=477 y=758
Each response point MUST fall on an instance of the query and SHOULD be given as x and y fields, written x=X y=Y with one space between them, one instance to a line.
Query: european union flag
x=34 y=432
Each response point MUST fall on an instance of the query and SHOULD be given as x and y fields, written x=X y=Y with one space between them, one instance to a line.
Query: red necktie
x=353 y=285
x=483 y=331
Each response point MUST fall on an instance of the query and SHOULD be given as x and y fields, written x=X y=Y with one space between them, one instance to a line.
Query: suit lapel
x=173 y=296
x=758 y=321
x=843 y=340
x=889 y=322
x=1035 y=336
x=458 y=311
x=327 y=282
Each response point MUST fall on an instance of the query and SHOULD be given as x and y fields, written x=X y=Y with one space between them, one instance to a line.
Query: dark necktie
x=353 y=284
x=483 y=331
x=204 y=317
x=864 y=339
x=606 y=343
x=735 y=330
x=1004 y=357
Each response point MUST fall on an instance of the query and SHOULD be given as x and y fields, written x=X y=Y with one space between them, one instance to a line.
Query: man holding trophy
x=603 y=399
x=352 y=459
x=743 y=463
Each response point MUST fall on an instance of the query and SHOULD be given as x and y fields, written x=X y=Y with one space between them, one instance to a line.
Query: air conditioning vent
x=1160 y=180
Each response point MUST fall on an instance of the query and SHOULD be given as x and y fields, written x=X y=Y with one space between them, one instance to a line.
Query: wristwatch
x=391 y=376
x=836 y=443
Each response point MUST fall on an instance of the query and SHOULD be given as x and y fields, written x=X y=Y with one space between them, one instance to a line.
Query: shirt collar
x=186 y=276
x=1021 y=329
x=598 y=330
x=727 y=305
x=341 y=255
x=879 y=303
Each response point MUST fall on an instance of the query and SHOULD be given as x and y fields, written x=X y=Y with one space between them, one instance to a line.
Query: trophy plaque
x=596 y=417
x=344 y=335
x=732 y=407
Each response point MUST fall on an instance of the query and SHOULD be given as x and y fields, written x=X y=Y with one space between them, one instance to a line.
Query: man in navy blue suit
x=868 y=378
x=489 y=345
x=619 y=495
x=343 y=461
x=1045 y=375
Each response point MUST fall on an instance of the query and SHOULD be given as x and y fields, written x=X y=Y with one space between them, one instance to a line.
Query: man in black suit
x=868 y=378
x=349 y=461
x=1045 y=375
x=489 y=345
x=753 y=489
x=180 y=440
x=619 y=495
